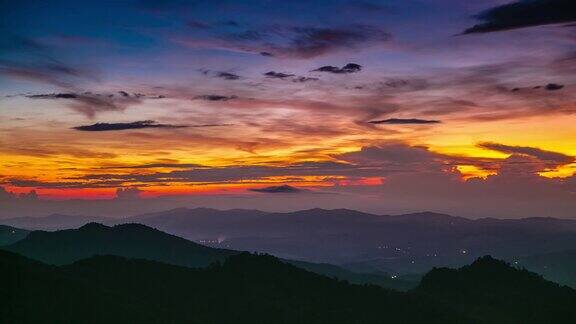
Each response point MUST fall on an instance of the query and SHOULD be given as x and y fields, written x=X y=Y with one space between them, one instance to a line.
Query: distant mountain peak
x=428 y=216
x=330 y=211
x=488 y=260
x=94 y=226
x=484 y=270
x=314 y=210
x=135 y=226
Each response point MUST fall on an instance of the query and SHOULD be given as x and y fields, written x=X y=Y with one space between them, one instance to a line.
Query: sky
x=463 y=107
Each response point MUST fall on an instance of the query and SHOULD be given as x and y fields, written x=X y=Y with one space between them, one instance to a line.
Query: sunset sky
x=429 y=103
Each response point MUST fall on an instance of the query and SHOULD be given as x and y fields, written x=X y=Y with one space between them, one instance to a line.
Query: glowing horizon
x=218 y=98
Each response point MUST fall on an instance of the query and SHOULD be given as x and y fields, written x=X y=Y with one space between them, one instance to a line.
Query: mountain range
x=357 y=242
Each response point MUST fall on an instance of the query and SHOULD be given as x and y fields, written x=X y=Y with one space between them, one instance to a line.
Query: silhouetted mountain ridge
x=490 y=290
x=130 y=240
x=263 y=289
x=244 y=288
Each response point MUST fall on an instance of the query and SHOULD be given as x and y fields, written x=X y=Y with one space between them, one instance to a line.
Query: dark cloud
x=277 y=75
x=405 y=121
x=540 y=154
x=303 y=79
x=553 y=86
x=213 y=97
x=524 y=13
x=227 y=76
x=348 y=68
x=278 y=189
x=100 y=127
x=221 y=74
x=549 y=87
x=90 y=104
x=266 y=54
x=53 y=96
x=286 y=76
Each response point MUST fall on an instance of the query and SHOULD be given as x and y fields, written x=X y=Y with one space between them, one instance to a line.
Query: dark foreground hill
x=244 y=289
x=491 y=291
x=249 y=288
